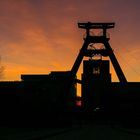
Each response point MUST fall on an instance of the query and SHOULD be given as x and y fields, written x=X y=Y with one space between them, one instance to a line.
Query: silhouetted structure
x=37 y=99
x=95 y=79
x=52 y=98
x=115 y=99
x=104 y=39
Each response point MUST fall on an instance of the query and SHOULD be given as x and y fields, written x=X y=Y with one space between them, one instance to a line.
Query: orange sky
x=39 y=36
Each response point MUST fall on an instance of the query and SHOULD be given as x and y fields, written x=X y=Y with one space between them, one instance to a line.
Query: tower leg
x=115 y=63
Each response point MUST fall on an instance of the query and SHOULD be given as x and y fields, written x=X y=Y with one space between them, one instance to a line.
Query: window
x=96 y=70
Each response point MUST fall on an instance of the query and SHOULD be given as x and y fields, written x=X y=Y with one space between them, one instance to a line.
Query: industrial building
x=52 y=97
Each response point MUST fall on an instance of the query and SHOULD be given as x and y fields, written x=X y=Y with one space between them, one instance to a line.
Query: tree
x=1 y=70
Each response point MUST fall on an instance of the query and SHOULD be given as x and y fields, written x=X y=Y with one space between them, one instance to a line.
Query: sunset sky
x=39 y=36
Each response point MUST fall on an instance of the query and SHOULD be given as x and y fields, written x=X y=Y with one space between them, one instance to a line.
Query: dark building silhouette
x=95 y=78
x=119 y=100
x=51 y=98
x=37 y=99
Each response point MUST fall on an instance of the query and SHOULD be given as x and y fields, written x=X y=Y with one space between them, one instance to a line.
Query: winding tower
x=96 y=76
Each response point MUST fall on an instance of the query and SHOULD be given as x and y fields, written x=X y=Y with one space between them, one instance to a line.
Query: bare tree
x=1 y=70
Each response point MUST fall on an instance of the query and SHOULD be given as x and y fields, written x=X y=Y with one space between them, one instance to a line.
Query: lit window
x=96 y=70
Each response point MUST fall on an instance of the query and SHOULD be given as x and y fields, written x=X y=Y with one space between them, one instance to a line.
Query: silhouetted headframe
x=51 y=98
x=107 y=51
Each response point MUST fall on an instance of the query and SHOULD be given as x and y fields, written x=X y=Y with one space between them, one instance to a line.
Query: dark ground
x=78 y=131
